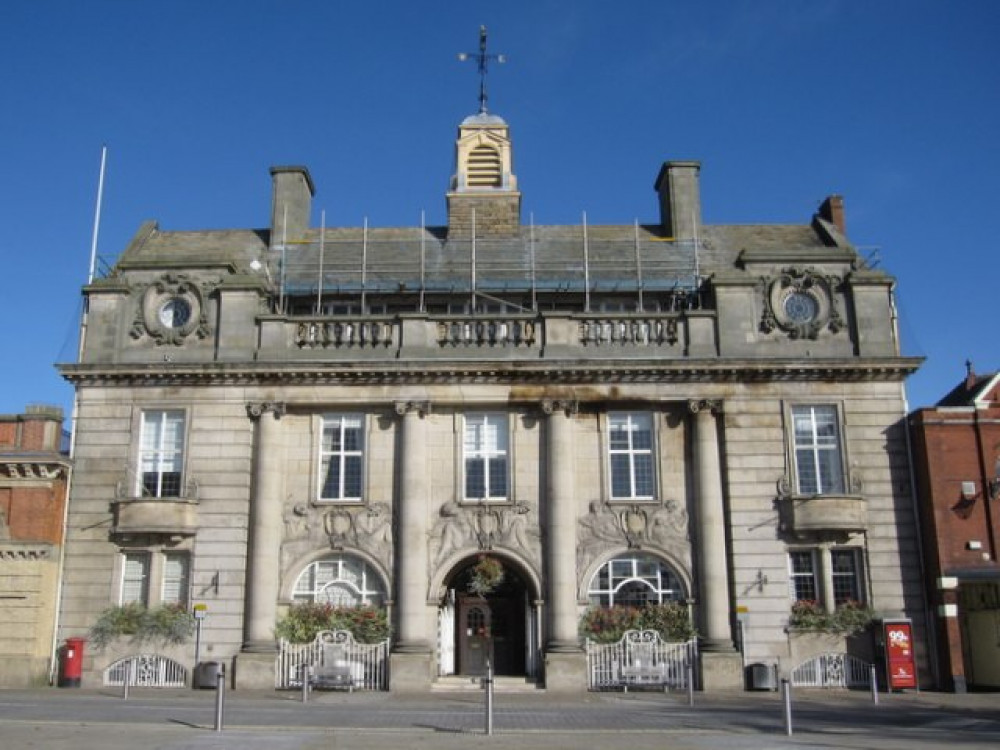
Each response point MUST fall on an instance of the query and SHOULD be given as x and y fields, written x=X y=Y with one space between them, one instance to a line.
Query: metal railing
x=833 y=670
x=640 y=659
x=145 y=670
x=368 y=663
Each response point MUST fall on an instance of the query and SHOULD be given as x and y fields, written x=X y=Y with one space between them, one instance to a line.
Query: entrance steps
x=469 y=684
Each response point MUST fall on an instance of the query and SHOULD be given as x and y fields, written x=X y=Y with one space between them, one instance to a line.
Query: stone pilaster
x=266 y=528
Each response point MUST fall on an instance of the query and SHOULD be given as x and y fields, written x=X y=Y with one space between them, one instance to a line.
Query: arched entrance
x=497 y=623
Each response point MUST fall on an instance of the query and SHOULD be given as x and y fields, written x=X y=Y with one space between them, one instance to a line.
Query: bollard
x=689 y=666
x=306 y=678
x=220 y=697
x=786 y=696
x=488 y=684
x=128 y=679
x=874 y=681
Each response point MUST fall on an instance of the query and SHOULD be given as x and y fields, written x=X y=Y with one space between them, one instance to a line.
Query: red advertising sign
x=902 y=668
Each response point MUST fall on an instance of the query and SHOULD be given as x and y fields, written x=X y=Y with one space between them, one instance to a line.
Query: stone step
x=467 y=683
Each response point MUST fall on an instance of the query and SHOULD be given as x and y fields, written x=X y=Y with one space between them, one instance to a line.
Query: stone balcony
x=170 y=516
x=839 y=514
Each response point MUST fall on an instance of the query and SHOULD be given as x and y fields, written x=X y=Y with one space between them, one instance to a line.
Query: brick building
x=957 y=462
x=34 y=472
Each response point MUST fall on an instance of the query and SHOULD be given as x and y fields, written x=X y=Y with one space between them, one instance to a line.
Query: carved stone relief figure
x=452 y=531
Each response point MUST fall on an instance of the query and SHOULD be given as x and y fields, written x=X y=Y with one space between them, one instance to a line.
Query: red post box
x=71 y=663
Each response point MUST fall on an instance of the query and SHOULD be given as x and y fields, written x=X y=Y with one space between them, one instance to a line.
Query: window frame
x=813 y=575
x=370 y=586
x=183 y=597
x=485 y=454
x=856 y=575
x=145 y=558
x=158 y=453
x=631 y=453
x=345 y=454
x=602 y=587
x=839 y=482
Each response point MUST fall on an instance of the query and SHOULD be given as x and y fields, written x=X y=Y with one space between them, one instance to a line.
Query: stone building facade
x=34 y=476
x=956 y=446
x=668 y=411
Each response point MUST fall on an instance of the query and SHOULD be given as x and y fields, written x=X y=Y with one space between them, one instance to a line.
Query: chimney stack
x=680 y=199
x=832 y=210
x=291 y=203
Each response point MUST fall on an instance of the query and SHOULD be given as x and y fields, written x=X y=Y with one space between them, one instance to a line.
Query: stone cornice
x=14 y=466
x=442 y=371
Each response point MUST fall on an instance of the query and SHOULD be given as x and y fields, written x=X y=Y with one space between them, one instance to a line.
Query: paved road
x=184 y=720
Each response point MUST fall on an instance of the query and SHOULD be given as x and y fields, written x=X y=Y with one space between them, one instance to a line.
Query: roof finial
x=483 y=59
x=970 y=374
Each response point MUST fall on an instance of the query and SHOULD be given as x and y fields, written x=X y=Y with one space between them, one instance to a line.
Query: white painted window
x=162 y=453
x=485 y=454
x=802 y=575
x=845 y=569
x=635 y=580
x=819 y=467
x=135 y=578
x=343 y=581
x=174 y=589
x=630 y=455
x=341 y=471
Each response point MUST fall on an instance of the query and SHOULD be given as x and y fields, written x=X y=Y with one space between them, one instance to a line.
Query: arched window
x=343 y=581
x=484 y=167
x=635 y=580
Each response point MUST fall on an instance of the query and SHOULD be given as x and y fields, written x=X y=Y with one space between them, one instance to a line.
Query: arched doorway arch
x=499 y=624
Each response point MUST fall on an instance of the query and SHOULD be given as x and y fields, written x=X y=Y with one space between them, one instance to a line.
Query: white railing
x=145 y=670
x=367 y=663
x=641 y=658
x=347 y=333
x=489 y=332
x=833 y=670
x=636 y=331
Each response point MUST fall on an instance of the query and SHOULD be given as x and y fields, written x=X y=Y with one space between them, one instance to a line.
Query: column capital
x=709 y=405
x=569 y=407
x=257 y=409
x=422 y=408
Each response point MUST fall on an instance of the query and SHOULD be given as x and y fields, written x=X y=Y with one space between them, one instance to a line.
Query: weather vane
x=482 y=59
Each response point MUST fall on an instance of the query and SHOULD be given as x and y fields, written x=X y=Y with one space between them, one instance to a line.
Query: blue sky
x=893 y=105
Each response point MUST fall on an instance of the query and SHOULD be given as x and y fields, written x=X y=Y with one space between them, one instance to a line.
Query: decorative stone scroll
x=801 y=303
x=257 y=409
x=171 y=309
x=606 y=527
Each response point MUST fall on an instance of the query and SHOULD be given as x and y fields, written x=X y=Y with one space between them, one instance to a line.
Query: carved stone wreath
x=801 y=303
x=175 y=290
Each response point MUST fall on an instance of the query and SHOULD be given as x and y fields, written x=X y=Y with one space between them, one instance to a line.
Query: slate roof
x=613 y=258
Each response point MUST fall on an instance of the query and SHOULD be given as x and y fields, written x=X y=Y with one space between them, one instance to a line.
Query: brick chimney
x=292 y=191
x=680 y=198
x=832 y=210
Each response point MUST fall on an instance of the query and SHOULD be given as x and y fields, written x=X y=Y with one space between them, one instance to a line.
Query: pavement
x=82 y=719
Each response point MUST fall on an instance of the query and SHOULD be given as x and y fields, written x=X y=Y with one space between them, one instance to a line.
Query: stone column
x=411 y=659
x=826 y=595
x=255 y=663
x=721 y=665
x=564 y=664
x=266 y=529
x=713 y=560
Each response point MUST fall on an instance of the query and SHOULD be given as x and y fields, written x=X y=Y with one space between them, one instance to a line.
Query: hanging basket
x=487 y=574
